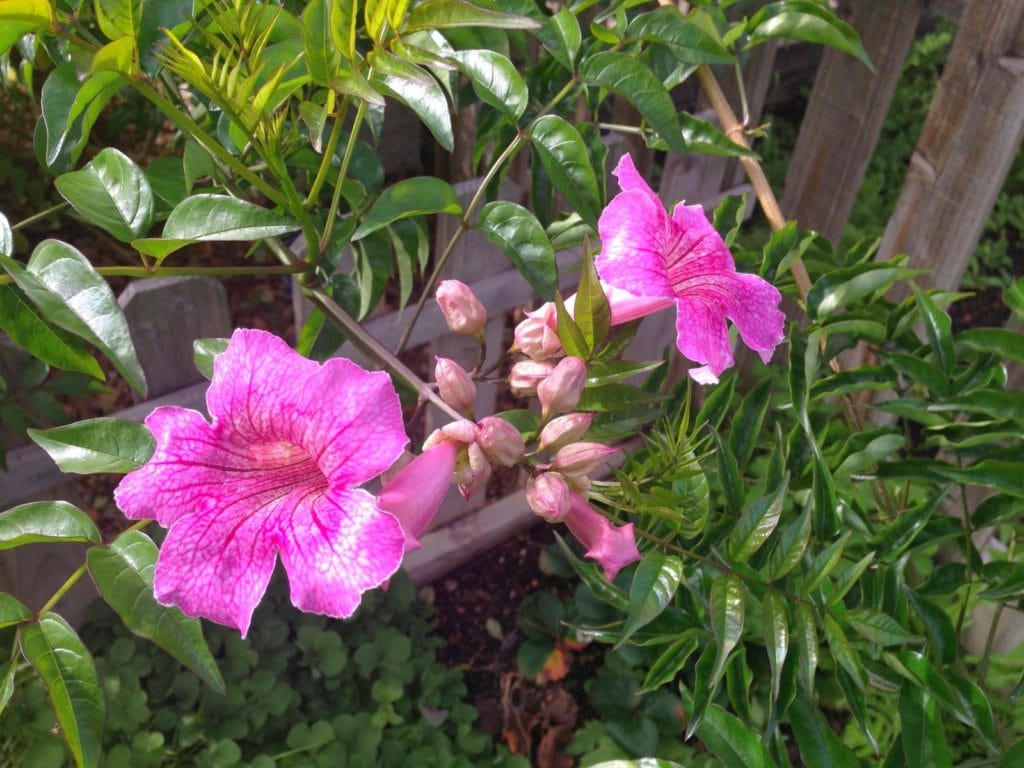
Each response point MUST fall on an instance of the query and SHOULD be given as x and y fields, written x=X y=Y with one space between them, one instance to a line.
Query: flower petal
x=695 y=249
x=337 y=548
x=416 y=491
x=701 y=333
x=755 y=311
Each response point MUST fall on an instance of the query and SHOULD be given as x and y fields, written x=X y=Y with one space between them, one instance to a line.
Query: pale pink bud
x=548 y=496
x=582 y=458
x=462 y=310
x=526 y=375
x=500 y=441
x=564 y=430
x=560 y=391
x=414 y=494
x=472 y=470
x=454 y=385
x=614 y=547
x=461 y=431
x=537 y=335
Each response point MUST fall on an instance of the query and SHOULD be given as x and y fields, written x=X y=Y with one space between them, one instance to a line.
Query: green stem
x=332 y=212
x=146 y=272
x=989 y=641
x=38 y=216
x=329 y=150
x=63 y=589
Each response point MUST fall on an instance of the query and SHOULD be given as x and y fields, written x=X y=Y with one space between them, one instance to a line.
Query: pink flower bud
x=472 y=470
x=461 y=431
x=564 y=430
x=548 y=496
x=614 y=547
x=454 y=385
x=414 y=494
x=462 y=310
x=500 y=441
x=526 y=375
x=560 y=391
x=582 y=458
x=537 y=335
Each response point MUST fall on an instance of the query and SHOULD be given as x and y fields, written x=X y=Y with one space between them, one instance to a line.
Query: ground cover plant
x=803 y=548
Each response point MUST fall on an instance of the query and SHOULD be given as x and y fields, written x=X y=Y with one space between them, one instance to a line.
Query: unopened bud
x=548 y=496
x=500 y=441
x=560 y=391
x=454 y=385
x=564 y=430
x=461 y=431
x=537 y=335
x=472 y=471
x=582 y=458
x=526 y=375
x=462 y=310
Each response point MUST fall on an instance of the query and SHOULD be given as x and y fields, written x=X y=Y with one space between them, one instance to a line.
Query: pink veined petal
x=755 y=311
x=336 y=548
x=701 y=333
x=694 y=248
x=625 y=306
x=415 y=493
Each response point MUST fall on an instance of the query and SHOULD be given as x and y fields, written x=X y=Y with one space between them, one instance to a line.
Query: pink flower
x=560 y=391
x=462 y=310
x=537 y=335
x=275 y=473
x=414 y=494
x=651 y=255
x=501 y=442
x=548 y=496
x=614 y=547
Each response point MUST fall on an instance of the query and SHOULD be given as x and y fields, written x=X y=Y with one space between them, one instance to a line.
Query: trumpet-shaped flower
x=274 y=473
x=416 y=491
x=651 y=255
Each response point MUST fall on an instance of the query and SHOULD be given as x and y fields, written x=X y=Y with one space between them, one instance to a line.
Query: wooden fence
x=968 y=143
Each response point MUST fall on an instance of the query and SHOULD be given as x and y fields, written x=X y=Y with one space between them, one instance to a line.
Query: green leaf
x=878 y=627
x=602 y=372
x=729 y=476
x=823 y=564
x=447 y=14
x=923 y=736
x=941 y=631
x=566 y=28
x=747 y=423
x=671 y=661
x=117 y=56
x=819 y=745
x=842 y=651
x=655 y=582
x=565 y=158
x=842 y=287
x=757 y=523
x=1005 y=476
x=71 y=294
x=938 y=326
x=12 y=611
x=69 y=673
x=776 y=636
x=790 y=547
x=29 y=330
x=7 y=669
x=519 y=235
x=591 y=311
x=807 y=642
x=643 y=762
x=118 y=18
x=6 y=237
x=726 y=737
x=319 y=41
x=809 y=21
x=112 y=193
x=629 y=77
x=1007 y=344
x=727 y=605
x=703 y=137
x=410 y=197
x=344 y=18
x=848 y=578
x=573 y=342
x=590 y=574
x=1013 y=297
x=19 y=17
x=687 y=40
x=95 y=446
x=495 y=80
x=45 y=521
x=123 y=573
x=203 y=353
x=418 y=90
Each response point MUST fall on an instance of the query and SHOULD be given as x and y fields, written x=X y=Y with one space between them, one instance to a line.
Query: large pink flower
x=681 y=257
x=274 y=473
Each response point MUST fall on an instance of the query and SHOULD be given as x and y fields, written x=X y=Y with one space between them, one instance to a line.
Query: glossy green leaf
x=12 y=611
x=757 y=523
x=844 y=653
x=729 y=739
x=495 y=80
x=687 y=40
x=976 y=706
x=703 y=137
x=592 y=311
x=419 y=91
x=746 y=424
x=806 y=633
x=727 y=606
x=1005 y=476
x=655 y=582
x=602 y=372
x=62 y=283
x=939 y=627
x=703 y=689
x=776 y=636
x=938 y=327
x=123 y=573
x=566 y=28
x=823 y=564
x=319 y=40
x=857 y=702
x=519 y=235
x=343 y=20
x=203 y=353
x=573 y=342
x=112 y=193
x=729 y=476
x=629 y=77
x=118 y=18
x=116 y=56
x=446 y=14
x=45 y=521
x=848 y=577
x=565 y=158
x=790 y=547
x=819 y=744
x=10 y=668
x=878 y=627
x=808 y=21
x=923 y=736
x=842 y=287
x=411 y=197
x=643 y=762
x=69 y=673
x=1003 y=342
x=19 y=17
x=97 y=445
x=671 y=661
x=1013 y=296
x=25 y=325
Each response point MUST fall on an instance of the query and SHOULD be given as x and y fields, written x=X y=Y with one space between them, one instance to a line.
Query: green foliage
x=301 y=691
